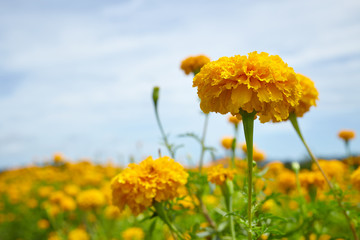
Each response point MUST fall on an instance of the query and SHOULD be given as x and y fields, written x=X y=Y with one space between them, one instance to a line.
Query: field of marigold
x=237 y=196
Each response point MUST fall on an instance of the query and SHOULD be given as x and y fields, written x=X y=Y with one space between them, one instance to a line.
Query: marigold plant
x=258 y=82
x=139 y=185
x=193 y=64
x=218 y=174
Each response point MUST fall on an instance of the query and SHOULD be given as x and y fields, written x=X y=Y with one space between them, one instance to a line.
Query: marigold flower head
x=346 y=134
x=112 y=212
x=355 y=178
x=133 y=233
x=139 y=185
x=91 y=198
x=218 y=174
x=194 y=64
x=235 y=119
x=308 y=179
x=78 y=234
x=258 y=82
x=258 y=156
x=226 y=142
x=286 y=181
x=43 y=224
x=308 y=97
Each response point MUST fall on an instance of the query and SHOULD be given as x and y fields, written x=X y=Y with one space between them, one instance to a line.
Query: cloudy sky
x=76 y=76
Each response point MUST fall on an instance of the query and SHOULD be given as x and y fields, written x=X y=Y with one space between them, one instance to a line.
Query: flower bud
x=155 y=95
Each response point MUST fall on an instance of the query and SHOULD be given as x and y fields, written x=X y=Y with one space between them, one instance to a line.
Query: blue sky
x=76 y=77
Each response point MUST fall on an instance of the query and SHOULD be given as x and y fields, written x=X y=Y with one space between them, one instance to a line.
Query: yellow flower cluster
x=152 y=180
x=133 y=233
x=355 y=179
x=258 y=82
x=194 y=64
x=218 y=174
x=308 y=97
x=78 y=234
x=346 y=135
x=90 y=199
x=309 y=178
x=226 y=142
x=235 y=119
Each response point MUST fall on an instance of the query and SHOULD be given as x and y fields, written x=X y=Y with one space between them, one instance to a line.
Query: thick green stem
x=293 y=120
x=228 y=190
x=202 y=142
x=248 y=122
x=159 y=207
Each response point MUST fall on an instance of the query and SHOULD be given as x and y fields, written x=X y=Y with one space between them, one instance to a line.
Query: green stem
x=202 y=142
x=347 y=146
x=294 y=122
x=168 y=146
x=159 y=207
x=248 y=122
x=233 y=147
x=228 y=190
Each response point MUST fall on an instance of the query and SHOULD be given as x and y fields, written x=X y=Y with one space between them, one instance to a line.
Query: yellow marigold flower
x=91 y=198
x=286 y=181
x=308 y=179
x=325 y=237
x=32 y=203
x=67 y=204
x=78 y=234
x=152 y=180
x=308 y=97
x=211 y=200
x=258 y=156
x=355 y=178
x=218 y=174
x=268 y=205
x=112 y=212
x=194 y=64
x=54 y=236
x=43 y=224
x=133 y=233
x=235 y=119
x=45 y=191
x=71 y=190
x=346 y=134
x=226 y=142
x=332 y=168
x=187 y=203
x=258 y=82
x=58 y=158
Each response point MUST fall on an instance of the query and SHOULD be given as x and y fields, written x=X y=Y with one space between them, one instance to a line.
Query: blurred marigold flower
x=139 y=185
x=258 y=82
x=90 y=199
x=346 y=135
x=308 y=97
x=355 y=178
x=226 y=142
x=308 y=179
x=194 y=64
x=43 y=224
x=286 y=181
x=133 y=233
x=112 y=212
x=218 y=174
x=235 y=119
x=78 y=234
x=258 y=156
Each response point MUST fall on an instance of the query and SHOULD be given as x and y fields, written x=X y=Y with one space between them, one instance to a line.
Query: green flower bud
x=155 y=95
